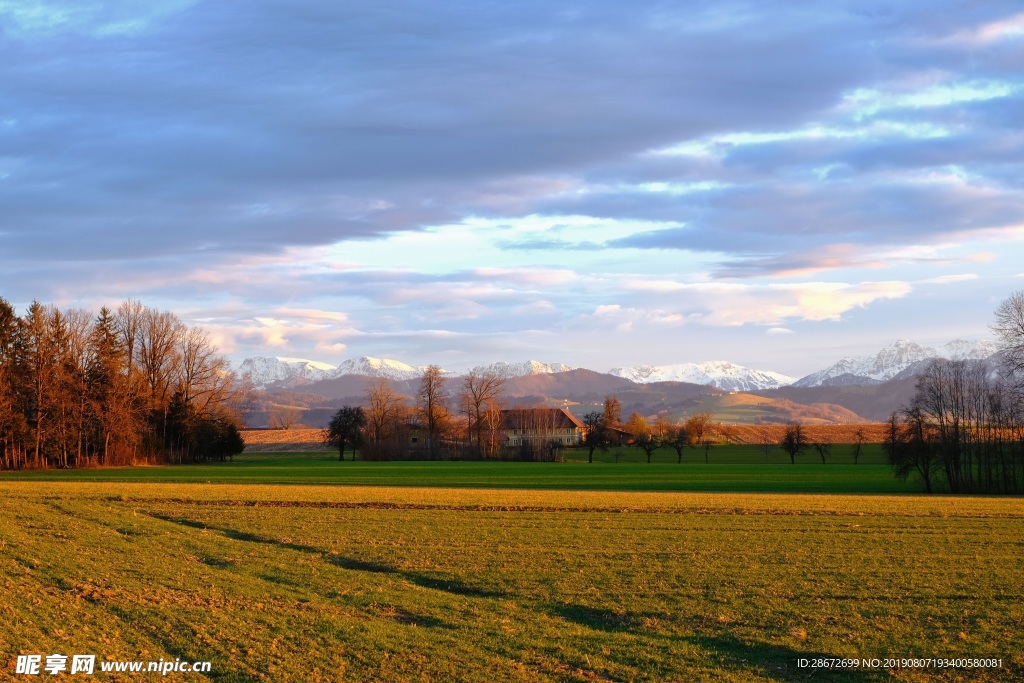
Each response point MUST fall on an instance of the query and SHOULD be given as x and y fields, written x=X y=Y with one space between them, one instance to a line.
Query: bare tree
x=283 y=417
x=678 y=439
x=156 y=350
x=823 y=449
x=202 y=376
x=1009 y=328
x=858 y=444
x=490 y=427
x=794 y=441
x=912 y=446
x=431 y=403
x=384 y=415
x=766 y=441
x=481 y=393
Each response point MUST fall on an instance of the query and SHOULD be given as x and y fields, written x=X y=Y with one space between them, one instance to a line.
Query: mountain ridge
x=895 y=360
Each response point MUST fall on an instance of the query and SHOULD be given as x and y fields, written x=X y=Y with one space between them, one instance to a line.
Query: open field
x=307 y=583
x=733 y=468
x=266 y=440
x=289 y=440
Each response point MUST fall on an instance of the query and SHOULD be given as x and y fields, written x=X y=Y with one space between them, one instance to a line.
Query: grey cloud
x=132 y=160
x=162 y=134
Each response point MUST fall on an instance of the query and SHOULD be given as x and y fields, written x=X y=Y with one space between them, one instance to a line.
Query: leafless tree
x=766 y=441
x=858 y=444
x=283 y=417
x=1009 y=329
x=434 y=414
x=823 y=449
x=481 y=393
x=678 y=439
x=385 y=414
x=794 y=441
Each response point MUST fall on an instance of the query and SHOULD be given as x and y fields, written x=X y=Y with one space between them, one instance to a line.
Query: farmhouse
x=539 y=426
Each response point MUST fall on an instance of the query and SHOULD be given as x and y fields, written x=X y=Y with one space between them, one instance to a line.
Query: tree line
x=118 y=387
x=964 y=425
x=461 y=423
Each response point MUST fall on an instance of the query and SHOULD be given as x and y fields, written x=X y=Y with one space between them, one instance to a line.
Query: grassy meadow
x=297 y=567
x=314 y=583
x=731 y=468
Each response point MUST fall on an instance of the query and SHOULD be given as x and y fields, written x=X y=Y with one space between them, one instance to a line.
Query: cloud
x=951 y=279
x=1008 y=28
x=433 y=174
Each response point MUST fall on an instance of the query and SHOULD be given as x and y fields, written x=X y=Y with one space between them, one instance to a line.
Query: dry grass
x=755 y=434
x=283 y=440
x=311 y=583
x=305 y=440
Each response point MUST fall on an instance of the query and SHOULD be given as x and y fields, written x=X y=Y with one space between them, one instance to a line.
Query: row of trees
x=605 y=429
x=464 y=424
x=111 y=388
x=795 y=441
x=964 y=426
x=965 y=423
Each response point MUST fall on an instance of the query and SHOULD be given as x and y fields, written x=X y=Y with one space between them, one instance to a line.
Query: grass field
x=337 y=583
x=732 y=468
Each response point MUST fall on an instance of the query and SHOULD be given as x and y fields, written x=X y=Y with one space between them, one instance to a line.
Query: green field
x=732 y=468
x=334 y=583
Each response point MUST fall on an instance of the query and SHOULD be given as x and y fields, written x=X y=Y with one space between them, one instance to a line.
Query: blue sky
x=599 y=184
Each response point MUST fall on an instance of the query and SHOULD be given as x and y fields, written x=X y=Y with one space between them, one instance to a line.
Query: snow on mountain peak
x=892 y=360
x=530 y=367
x=379 y=367
x=719 y=373
x=268 y=370
x=302 y=362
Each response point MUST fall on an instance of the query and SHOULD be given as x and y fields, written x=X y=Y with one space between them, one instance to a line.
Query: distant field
x=740 y=408
x=266 y=440
x=307 y=583
x=272 y=440
x=734 y=468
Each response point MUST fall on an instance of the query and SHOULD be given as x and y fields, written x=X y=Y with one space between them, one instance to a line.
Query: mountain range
x=899 y=357
x=891 y=361
x=853 y=389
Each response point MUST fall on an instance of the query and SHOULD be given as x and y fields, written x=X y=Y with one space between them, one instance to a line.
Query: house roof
x=539 y=418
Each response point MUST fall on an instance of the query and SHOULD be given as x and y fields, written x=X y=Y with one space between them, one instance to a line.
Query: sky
x=600 y=184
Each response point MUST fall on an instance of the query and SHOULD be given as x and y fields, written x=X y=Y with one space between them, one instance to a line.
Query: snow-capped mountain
x=903 y=356
x=961 y=349
x=268 y=370
x=378 y=367
x=719 y=373
x=892 y=360
x=530 y=367
x=281 y=373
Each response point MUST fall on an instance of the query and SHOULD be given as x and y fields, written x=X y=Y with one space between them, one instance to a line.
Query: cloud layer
x=458 y=182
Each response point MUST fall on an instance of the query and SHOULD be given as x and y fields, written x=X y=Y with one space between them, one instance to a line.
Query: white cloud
x=950 y=279
x=1009 y=28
